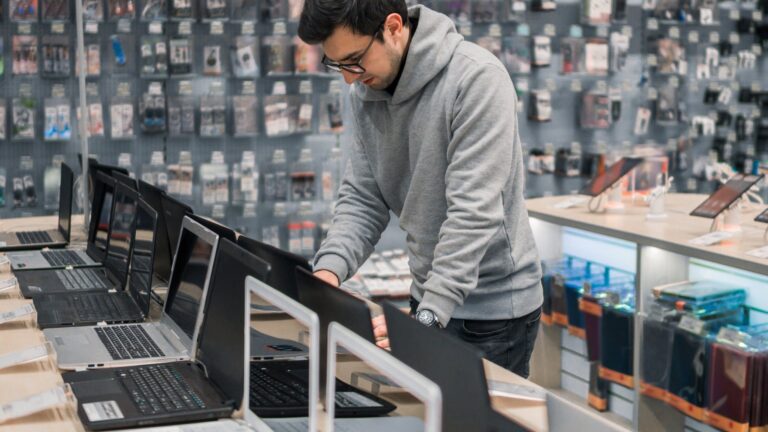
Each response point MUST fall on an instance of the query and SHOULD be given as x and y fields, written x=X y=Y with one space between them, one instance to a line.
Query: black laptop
x=52 y=238
x=125 y=179
x=94 y=167
x=209 y=386
x=222 y=230
x=283 y=274
x=173 y=213
x=123 y=306
x=279 y=388
x=163 y=257
x=93 y=254
x=111 y=276
x=452 y=364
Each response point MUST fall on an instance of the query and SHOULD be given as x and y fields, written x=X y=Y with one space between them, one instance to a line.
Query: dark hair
x=319 y=18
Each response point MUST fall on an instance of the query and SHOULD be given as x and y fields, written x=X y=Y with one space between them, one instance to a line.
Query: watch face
x=426 y=317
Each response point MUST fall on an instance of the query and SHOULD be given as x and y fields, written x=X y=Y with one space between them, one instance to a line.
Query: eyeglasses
x=355 y=68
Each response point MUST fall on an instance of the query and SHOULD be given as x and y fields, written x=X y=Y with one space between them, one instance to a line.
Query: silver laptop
x=423 y=389
x=172 y=338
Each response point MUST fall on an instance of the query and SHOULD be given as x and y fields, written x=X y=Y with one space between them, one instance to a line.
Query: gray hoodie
x=443 y=153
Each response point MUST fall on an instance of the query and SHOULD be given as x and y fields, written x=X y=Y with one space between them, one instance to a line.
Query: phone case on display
x=23 y=119
x=55 y=10
x=30 y=194
x=182 y=9
x=121 y=9
x=516 y=54
x=272 y=10
x=23 y=10
x=24 y=55
x=277 y=54
x=212 y=60
x=616 y=344
x=687 y=378
x=599 y=389
x=307 y=59
x=93 y=10
x=485 y=11
x=729 y=385
x=154 y=10
x=244 y=55
x=245 y=108
x=656 y=358
x=571 y=52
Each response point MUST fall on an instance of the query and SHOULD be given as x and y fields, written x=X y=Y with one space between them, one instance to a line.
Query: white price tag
x=691 y=324
x=651 y=60
x=124 y=26
x=711 y=238
x=25 y=28
x=550 y=30
x=248 y=28
x=24 y=356
x=92 y=27
x=57 y=28
x=576 y=86
x=652 y=24
x=733 y=38
x=185 y=28
x=602 y=32
x=15 y=314
x=570 y=202
x=674 y=32
x=279 y=88
x=714 y=37
x=693 y=36
x=217 y=27
x=734 y=14
x=757 y=16
x=759 y=252
x=100 y=411
x=279 y=28
x=249 y=87
x=7 y=284
x=32 y=404
x=156 y=28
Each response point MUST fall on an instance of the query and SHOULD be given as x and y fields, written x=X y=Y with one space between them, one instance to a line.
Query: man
x=436 y=142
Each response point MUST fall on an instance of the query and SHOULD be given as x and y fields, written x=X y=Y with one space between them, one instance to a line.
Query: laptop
x=93 y=168
x=210 y=385
x=163 y=257
x=263 y=346
x=94 y=252
x=125 y=179
x=172 y=338
x=294 y=374
x=123 y=306
x=111 y=275
x=466 y=402
x=52 y=238
x=417 y=385
x=173 y=213
x=283 y=264
x=222 y=230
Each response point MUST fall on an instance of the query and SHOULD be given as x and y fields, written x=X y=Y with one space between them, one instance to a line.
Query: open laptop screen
x=283 y=265
x=144 y=236
x=105 y=191
x=188 y=281
x=174 y=212
x=65 y=200
x=221 y=347
x=120 y=232
x=154 y=196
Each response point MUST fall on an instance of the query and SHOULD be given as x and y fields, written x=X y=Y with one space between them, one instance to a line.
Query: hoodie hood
x=430 y=51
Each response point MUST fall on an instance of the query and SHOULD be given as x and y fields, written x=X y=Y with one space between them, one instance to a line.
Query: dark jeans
x=508 y=343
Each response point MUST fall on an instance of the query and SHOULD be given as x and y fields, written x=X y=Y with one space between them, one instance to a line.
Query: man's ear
x=393 y=24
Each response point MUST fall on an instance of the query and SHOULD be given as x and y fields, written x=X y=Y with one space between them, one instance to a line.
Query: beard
x=394 y=59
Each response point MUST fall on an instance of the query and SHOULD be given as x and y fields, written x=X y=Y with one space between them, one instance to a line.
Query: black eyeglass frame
x=353 y=68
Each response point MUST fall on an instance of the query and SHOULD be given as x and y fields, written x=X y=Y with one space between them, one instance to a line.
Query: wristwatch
x=428 y=318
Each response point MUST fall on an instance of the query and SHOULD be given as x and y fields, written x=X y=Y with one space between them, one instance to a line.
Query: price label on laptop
x=7 y=284
x=24 y=356
x=711 y=238
x=759 y=252
x=101 y=411
x=16 y=313
x=32 y=404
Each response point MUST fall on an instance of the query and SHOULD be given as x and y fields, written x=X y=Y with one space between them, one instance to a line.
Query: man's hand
x=328 y=277
x=380 y=332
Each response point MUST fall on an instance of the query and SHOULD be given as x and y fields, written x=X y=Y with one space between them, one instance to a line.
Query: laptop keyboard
x=100 y=306
x=62 y=258
x=34 y=237
x=271 y=389
x=274 y=389
x=79 y=279
x=128 y=342
x=159 y=389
